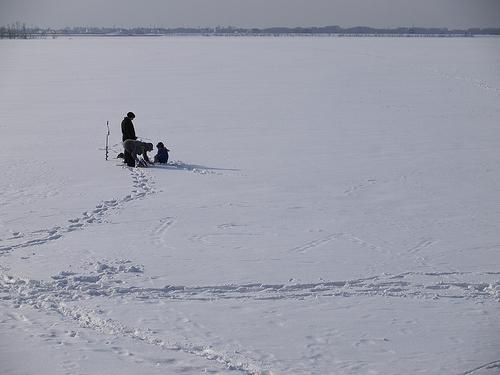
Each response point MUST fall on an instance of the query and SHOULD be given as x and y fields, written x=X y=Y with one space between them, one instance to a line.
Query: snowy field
x=332 y=206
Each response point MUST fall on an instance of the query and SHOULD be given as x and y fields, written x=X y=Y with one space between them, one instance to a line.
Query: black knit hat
x=130 y=115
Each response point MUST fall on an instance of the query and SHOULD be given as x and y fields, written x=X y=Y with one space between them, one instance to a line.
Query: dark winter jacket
x=128 y=131
x=162 y=156
x=135 y=148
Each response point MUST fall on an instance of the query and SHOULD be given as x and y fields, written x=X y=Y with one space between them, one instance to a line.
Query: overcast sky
x=252 y=13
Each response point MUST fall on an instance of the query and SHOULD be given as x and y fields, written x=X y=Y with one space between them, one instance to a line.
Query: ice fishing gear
x=141 y=163
x=107 y=139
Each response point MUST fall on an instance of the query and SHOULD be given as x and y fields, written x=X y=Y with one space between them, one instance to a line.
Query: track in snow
x=331 y=237
x=484 y=369
x=141 y=187
x=68 y=289
x=105 y=281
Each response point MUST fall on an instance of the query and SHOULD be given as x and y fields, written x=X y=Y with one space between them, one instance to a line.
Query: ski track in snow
x=104 y=281
x=481 y=84
x=67 y=290
x=421 y=245
x=206 y=238
x=359 y=187
x=142 y=186
x=159 y=232
x=336 y=236
x=495 y=366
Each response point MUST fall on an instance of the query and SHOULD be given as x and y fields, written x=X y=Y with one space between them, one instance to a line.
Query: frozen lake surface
x=332 y=206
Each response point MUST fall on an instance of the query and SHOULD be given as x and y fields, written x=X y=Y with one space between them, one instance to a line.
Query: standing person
x=128 y=132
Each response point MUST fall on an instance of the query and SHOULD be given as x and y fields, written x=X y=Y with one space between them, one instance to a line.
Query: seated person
x=162 y=155
x=134 y=148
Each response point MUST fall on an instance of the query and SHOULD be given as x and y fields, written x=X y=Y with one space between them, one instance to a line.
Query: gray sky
x=252 y=13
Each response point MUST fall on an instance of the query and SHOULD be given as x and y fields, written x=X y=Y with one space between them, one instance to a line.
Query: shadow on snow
x=179 y=165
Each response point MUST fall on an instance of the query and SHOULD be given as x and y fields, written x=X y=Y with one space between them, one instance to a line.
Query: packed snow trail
x=105 y=282
x=42 y=296
x=67 y=290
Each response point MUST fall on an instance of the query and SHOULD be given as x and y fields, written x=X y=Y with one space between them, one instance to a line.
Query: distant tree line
x=15 y=31
x=21 y=31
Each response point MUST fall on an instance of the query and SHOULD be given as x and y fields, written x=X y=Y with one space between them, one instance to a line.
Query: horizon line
x=24 y=24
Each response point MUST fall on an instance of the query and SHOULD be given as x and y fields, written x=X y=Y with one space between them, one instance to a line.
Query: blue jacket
x=161 y=156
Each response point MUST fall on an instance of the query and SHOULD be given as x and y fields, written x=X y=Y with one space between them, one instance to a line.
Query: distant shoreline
x=21 y=31
x=410 y=36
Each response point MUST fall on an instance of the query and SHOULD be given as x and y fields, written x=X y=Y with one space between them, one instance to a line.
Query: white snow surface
x=332 y=206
